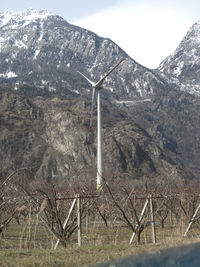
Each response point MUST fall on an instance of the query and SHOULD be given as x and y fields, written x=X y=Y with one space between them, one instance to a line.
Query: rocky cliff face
x=173 y=123
x=50 y=137
x=21 y=127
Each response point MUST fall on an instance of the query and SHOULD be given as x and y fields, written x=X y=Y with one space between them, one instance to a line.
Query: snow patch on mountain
x=129 y=103
x=36 y=53
x=22 y=18
x=20 y=44
x=8 y=75
x=184 y=63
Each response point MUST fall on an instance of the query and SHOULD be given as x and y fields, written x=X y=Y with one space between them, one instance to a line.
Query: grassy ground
x=83 y=256
x=101 y=244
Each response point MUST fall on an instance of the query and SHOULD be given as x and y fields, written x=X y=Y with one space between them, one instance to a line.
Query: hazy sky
x=148 y=30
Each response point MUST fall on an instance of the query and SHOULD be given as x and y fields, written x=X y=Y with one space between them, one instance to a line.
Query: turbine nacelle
x=97 y=87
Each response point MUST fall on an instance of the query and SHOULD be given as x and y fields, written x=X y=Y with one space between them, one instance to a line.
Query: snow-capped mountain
x=184 y=63
x=44 y=50
x=40 y=54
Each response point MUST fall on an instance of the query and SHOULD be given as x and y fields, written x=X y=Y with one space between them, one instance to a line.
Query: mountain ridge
x=51 y=50
x=184 y=63
x=39 y=60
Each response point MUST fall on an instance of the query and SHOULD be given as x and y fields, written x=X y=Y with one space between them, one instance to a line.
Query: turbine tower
x=98 y=86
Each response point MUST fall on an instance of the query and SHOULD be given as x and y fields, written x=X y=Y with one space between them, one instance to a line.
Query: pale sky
x=148 y=30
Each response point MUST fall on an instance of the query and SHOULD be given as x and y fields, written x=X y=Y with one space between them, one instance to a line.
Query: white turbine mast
x=98 y=86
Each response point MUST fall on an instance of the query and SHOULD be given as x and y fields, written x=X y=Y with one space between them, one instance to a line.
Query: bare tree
x=10 y=203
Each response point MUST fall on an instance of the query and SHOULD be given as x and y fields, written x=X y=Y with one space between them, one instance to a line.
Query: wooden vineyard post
x=192 y=220
x=87 y=221
x=152 y=220
x=141 y=216
x=79 y=219
x=67 y=219
x=29 y=222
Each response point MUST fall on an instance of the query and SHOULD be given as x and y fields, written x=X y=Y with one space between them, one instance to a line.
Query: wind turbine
x=98 y=86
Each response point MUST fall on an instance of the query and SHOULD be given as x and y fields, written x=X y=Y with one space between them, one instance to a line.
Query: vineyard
x=42 y=215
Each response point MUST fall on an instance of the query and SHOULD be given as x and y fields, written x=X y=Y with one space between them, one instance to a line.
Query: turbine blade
x=92 y=107
x=91 y=82
x=108 y=73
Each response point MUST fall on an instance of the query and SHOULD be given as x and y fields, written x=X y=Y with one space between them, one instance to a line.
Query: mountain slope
x=184 y=63
x=50 y=138
x=46 y=51
x=173 y=123
x=39 y=57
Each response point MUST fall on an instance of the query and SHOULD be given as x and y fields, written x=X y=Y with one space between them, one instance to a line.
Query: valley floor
x=98 y=247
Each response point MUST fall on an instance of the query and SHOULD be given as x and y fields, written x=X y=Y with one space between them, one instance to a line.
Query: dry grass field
x=28 y=244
